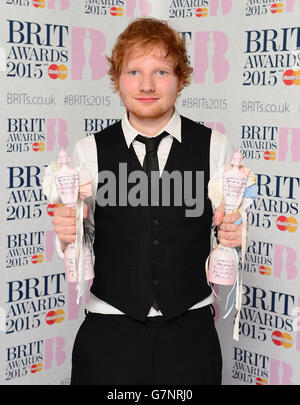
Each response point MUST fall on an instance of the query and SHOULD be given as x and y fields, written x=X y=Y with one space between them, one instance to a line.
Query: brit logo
x=44 y=50
x=199 y=8
x=271 y=57
x=276 y=204
x=270 y=143
x=259 y=257
x=250 y=367
x=36 y=134
x=33 y=357
x=259 y=142
x=36 y=49
x=269 y=260
x=275 y=7
x=34 y=301
x=27 y=248
x=26 y=198
x=118 y=8
x=267 y=316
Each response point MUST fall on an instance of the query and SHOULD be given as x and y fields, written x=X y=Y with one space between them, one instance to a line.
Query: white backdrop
x=246 y=59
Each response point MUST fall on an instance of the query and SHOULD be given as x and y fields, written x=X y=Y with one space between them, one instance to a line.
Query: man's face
x=148 y=85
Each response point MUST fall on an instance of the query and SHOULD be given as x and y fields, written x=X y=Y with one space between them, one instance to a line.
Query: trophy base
x=88 y=268
x=222 y=268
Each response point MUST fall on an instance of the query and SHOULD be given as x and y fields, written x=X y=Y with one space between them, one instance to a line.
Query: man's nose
x=147 y=83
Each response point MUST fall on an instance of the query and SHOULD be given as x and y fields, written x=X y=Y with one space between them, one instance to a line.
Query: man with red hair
x=150 y=318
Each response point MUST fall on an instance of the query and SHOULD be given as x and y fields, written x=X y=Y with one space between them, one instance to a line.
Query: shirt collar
x=173 y=127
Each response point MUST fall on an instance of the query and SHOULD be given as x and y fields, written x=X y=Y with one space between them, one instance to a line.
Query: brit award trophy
x=71 y=186
x=230 y=190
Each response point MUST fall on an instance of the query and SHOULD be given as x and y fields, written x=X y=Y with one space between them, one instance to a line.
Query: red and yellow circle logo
x=58 y=71
x=270 y=155
x=37 y=259
x=39 y=3
x=282 y=339
x=201 y=12
x=117 y=11
x=277 y=8
x=261 y=381
x=38 y=146
x=53 y=317
x=35 y=368
x=265 y=270
x=291 y=77
x=50 y=209
x=284 y=223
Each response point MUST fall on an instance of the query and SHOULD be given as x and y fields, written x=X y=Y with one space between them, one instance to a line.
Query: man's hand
x=229 y=235
x=64 y=222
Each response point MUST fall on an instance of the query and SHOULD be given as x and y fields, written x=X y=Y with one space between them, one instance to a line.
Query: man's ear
x=179 y=87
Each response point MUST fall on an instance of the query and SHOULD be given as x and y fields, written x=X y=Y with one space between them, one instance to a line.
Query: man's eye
x=161 y=73
x=133 y=72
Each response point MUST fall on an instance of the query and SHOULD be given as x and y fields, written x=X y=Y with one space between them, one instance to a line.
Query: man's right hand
x=64 y=222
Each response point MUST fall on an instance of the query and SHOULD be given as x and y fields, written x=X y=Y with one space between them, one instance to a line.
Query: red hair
x=143 y=34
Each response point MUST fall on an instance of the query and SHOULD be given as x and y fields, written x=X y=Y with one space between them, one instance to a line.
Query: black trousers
x=116 y=350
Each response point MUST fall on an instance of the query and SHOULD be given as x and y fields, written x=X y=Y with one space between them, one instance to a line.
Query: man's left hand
x=228 y=234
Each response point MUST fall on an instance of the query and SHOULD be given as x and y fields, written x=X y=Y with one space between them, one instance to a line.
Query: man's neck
x=150 y=127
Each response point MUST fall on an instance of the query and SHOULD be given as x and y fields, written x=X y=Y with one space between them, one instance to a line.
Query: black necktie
x=151 y=162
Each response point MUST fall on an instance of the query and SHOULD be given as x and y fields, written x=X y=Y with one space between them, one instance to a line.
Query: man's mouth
x=147 y=99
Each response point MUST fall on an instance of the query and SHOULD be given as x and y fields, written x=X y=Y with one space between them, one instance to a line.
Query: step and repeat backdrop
x=54 y=91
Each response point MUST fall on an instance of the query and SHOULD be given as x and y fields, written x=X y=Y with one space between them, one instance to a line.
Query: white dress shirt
x=85 y=151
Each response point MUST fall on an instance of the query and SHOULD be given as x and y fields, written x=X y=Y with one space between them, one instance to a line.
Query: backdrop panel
x=54 y=91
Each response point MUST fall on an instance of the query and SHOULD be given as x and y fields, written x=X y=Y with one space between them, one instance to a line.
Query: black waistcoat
x=147 y=253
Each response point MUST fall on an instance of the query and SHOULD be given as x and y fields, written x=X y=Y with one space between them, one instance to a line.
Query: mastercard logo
x=289 y=224
x=269 y=155
x=35 y=368
x=277 y=8
x=38 y=146
x=282 y=339
x=291 y=77
x=51 y=207
x=37 y=259
x=53 y=317
x=57 y=71
x=39 y=3
x=261 y=381
x=117 y=11
x=201 y=12
x=265 y=270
